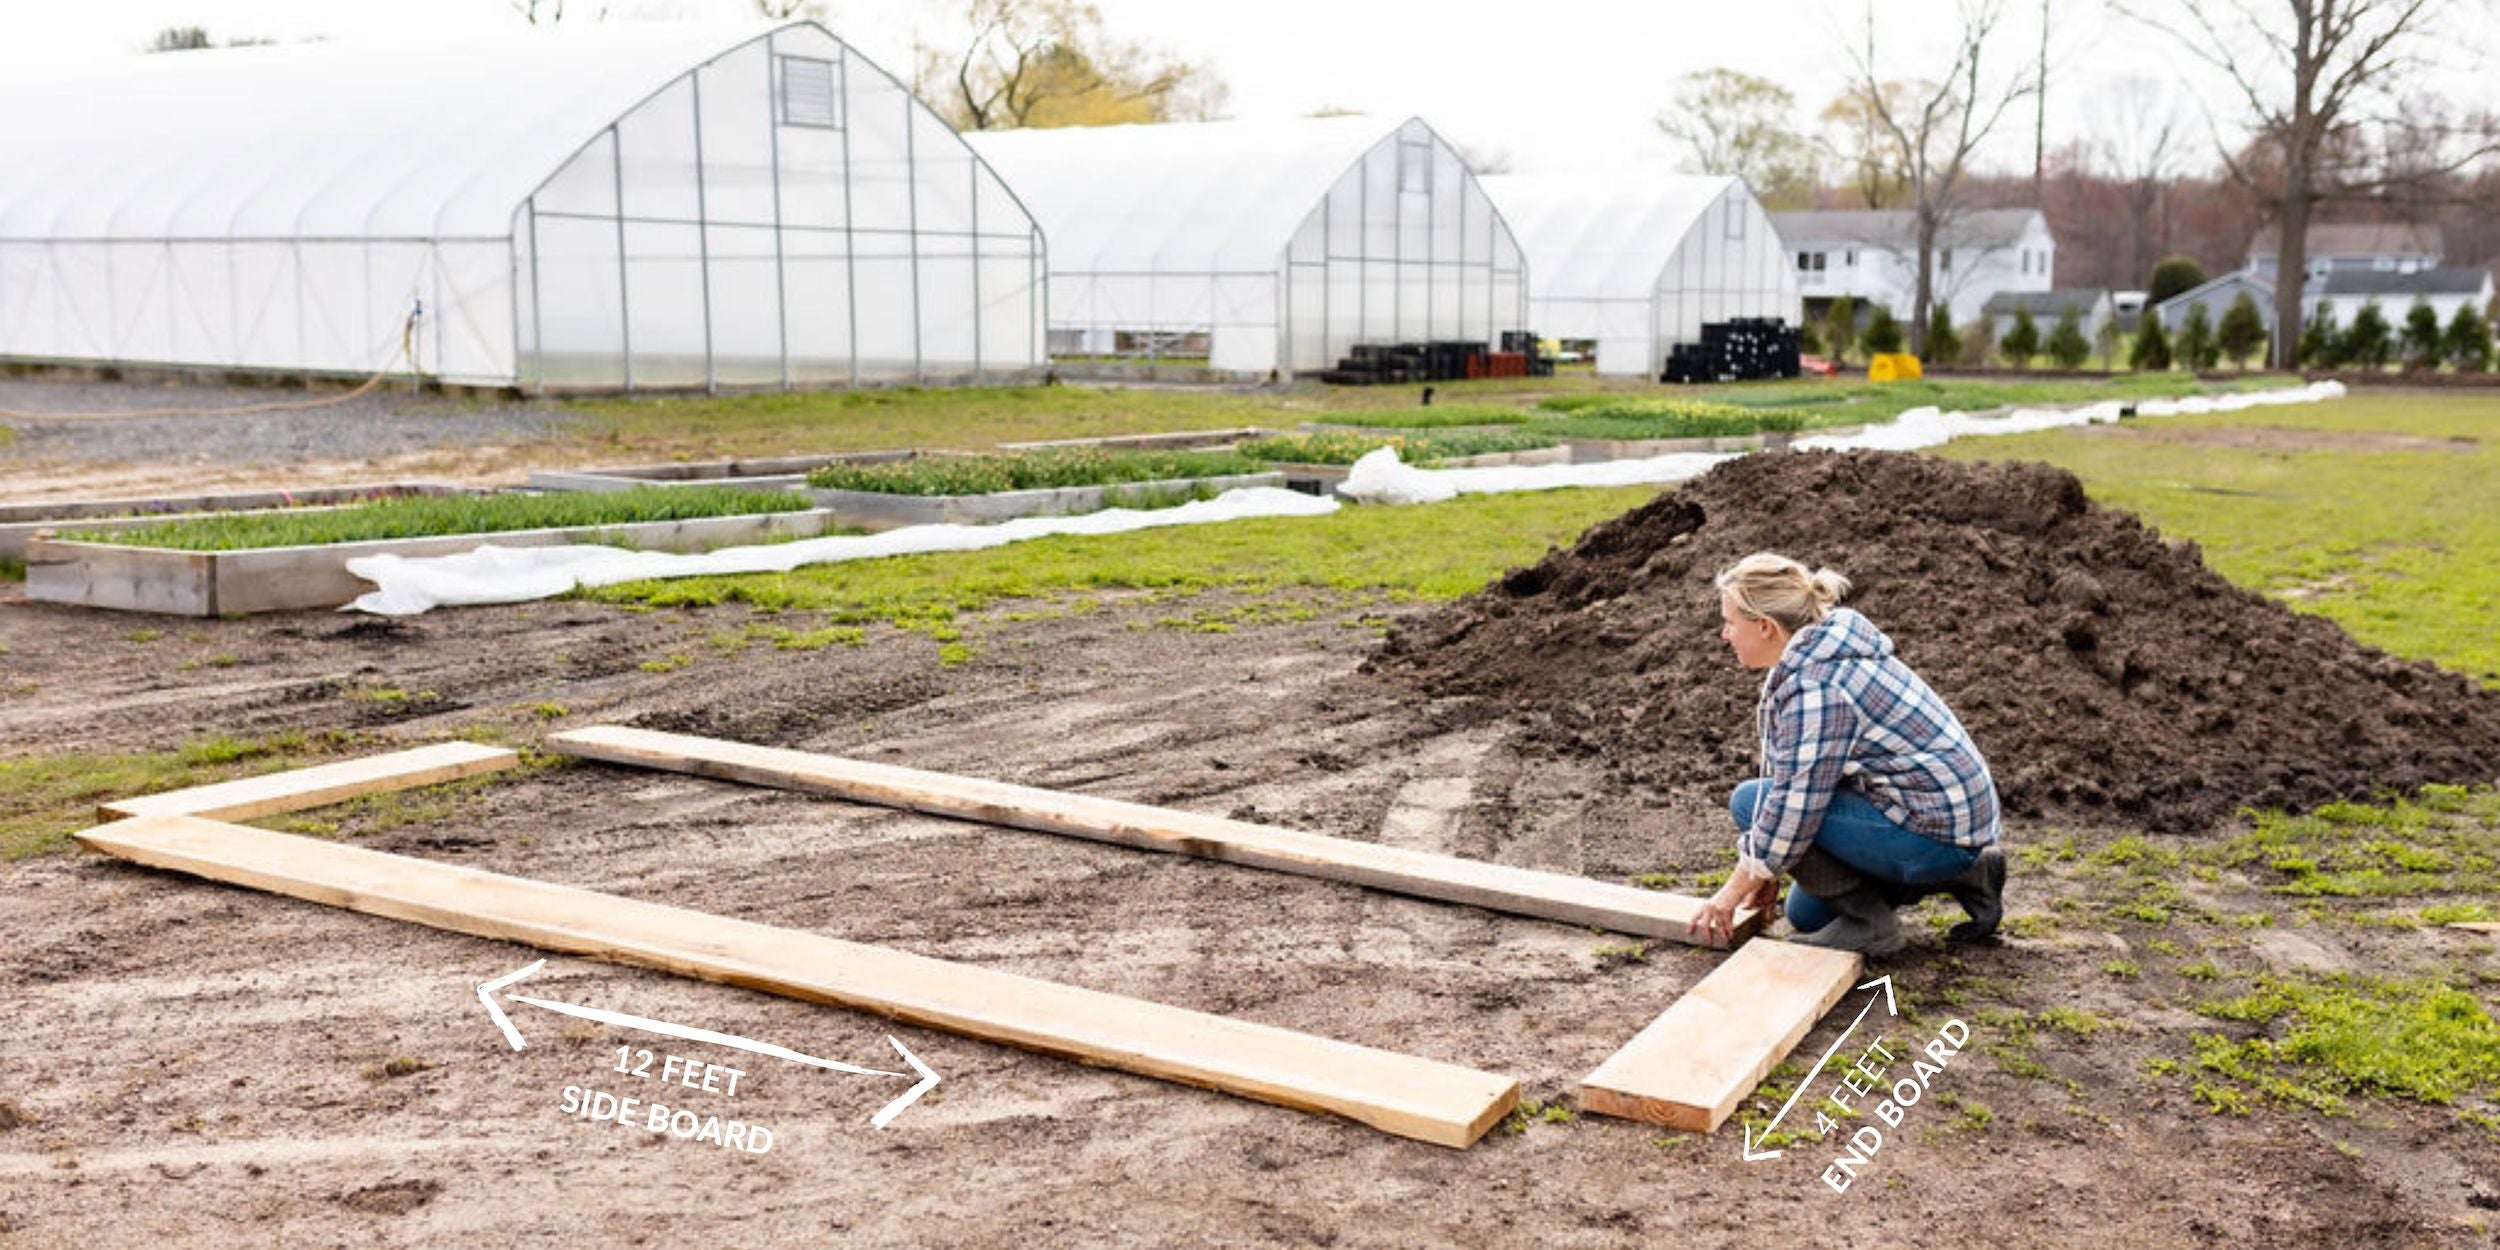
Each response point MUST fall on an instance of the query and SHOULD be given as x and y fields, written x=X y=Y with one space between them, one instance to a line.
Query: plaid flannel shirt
x=1840 y=709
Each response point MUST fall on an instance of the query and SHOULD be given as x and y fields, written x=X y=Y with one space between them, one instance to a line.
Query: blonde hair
x=1771 y=587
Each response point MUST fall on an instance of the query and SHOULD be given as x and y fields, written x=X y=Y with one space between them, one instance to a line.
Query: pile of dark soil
x=2108 y=675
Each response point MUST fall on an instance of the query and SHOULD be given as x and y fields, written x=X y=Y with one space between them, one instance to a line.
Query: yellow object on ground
x=1894 y=367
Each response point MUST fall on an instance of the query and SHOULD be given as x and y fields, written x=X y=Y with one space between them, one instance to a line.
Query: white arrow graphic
x=486 y=994
x=1890 y=1009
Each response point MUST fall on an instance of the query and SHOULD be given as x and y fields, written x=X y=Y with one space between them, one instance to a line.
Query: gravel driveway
x=374 y=426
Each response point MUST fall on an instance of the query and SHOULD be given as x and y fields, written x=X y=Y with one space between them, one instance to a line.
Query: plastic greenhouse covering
x=1279 y=245
x=625 y=207
x=1639 y=262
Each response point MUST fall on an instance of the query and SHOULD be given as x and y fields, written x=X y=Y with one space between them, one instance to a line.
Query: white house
x=2217 y=296
x=2378 y=247
x=1872 y=256
x=2350 y=265
x=2345 y=292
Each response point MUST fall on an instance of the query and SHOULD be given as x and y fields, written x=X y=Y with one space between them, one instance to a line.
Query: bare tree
x=1051 y=63
x=2140 y=129
x=1930 y=130
x=784 y=10
x=1741 y=126
x=181 y=39
x=2314 y=89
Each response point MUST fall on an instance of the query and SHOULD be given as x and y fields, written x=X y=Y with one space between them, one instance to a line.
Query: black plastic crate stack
x=1526 y=343
x=1378 y=364
x=1733 y=351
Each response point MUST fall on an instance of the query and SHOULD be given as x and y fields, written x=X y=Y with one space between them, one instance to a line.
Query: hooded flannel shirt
x=1840 y=709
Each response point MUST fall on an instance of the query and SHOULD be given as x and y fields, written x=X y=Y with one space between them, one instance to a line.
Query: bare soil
x=2105 y=670
x=202 y=1065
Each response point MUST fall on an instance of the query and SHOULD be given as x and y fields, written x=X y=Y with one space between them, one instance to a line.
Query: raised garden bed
x=1065 y=481
x=1317 y=462
x=1182 y=440
x=1638 y=428
x=1436 y=417
x=772 y=473
x=236 y=564
x=22 y=521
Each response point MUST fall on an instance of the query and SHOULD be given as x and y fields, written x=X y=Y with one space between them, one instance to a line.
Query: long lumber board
x=1698 y=1060
x=1527 y=891
x=2475 y=926
x=297 y=789
x=1413 y=1097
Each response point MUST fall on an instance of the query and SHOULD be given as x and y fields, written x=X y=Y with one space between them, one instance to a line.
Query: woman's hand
x=1746 y=888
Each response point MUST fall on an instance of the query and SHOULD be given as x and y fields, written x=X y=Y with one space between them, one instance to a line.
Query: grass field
x=2398 y=544
x=978 y=418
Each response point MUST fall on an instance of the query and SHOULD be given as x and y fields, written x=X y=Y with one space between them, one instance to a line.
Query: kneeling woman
x=1872 y=794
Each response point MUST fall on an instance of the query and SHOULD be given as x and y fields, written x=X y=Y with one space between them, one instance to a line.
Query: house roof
x=2446 y=280
x=2355 y=238
x=1896 y=228
x=2255 y=283
x=2083 y=299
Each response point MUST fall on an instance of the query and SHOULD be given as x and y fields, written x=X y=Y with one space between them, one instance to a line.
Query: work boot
x=1865 y=924
x=1981 y=892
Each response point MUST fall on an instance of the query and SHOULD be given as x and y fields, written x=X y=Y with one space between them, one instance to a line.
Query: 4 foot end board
x=1413 y=1097
x=1525 y=891
x=297 y=789
x=1695 y=1062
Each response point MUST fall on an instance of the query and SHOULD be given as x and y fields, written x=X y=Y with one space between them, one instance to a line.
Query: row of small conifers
x=1427 y=436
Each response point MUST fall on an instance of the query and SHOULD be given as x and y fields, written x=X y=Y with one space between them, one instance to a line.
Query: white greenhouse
x=1637 y=263
x=634 y=206
x=1263 y=246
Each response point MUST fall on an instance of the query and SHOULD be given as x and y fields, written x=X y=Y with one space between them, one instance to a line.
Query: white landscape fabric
x=493 y=574
x=1380 y=478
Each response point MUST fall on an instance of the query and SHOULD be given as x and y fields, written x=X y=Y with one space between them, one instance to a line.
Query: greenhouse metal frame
x=1281 y=245
x=1638 y=262
x=634 y=207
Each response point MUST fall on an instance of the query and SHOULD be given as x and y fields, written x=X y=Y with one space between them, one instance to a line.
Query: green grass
x=977 y=418
x=1032 y=470
x=1437 y=417
x=2443 y=842
x=1418 y=449
x=1435 y=552
x=44 y=800
x=422 y=516
x=1652 y=417
x=2400 y=547
x=2325 y=1039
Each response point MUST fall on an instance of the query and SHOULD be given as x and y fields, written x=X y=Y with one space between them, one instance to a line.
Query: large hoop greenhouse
x=623 y=208
x=1262 y=246
x=1637 y=263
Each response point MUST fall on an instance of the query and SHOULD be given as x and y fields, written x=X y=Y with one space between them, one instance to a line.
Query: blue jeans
x=1857 y=833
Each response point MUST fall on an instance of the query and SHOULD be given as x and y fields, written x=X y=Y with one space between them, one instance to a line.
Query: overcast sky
x=1547 y=83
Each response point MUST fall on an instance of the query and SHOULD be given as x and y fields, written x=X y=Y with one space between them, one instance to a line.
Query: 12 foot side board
x=1413 y=1097
x=1526 y=891
x=1698 y=1059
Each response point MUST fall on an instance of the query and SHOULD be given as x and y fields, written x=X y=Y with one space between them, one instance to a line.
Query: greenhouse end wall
x=784 y=215
x=1406 y=247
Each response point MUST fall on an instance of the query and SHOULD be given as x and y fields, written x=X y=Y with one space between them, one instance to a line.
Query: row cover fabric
x=493 y=574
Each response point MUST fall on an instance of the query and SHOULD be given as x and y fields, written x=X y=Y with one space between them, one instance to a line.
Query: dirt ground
x=195 y=1064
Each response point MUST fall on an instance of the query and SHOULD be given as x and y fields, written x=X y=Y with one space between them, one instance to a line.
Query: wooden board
x=2475 y=926
x=1420 y=1098
x=1554 y=896
x=301 y=788
x=1698 y=1060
